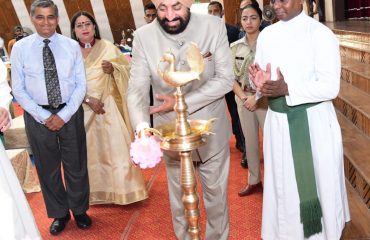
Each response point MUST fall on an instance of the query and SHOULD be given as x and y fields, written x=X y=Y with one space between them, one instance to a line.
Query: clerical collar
x=87 y=45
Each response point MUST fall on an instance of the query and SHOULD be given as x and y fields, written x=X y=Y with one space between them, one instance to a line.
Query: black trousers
x=51 y=150
x=235 y=121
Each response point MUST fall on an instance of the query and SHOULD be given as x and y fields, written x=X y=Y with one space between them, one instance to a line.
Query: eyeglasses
x=87 y=24
x=279 y=1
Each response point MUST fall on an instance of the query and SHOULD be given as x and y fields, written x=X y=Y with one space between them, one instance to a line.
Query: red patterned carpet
x=151 y=219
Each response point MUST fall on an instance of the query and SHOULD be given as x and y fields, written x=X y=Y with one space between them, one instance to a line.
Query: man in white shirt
x=150 y=12
x=304 y=187
x=48 y=77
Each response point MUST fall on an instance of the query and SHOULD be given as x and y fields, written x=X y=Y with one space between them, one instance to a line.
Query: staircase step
x=350 y=27
x=354 y=45
x=357 y=54
x=354 y=105
x=356 y=150
x=359 y=46
x=353 y=36
x=359 y=226
x=356 y=73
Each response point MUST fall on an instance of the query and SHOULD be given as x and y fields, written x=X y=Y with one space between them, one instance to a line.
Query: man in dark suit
x=215 y=8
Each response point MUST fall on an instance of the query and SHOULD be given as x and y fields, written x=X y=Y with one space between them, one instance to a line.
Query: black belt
x=49 y=107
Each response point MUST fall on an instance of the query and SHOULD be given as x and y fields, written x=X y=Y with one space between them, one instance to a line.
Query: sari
x=112 y=176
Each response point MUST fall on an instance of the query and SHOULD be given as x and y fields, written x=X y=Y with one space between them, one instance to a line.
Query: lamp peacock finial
x=179 y=78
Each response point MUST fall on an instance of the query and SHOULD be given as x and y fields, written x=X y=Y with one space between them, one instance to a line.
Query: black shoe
x=58 y=225
x=244 y=162
x=83 y=221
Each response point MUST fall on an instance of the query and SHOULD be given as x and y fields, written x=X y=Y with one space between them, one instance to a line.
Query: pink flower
x=146 y=152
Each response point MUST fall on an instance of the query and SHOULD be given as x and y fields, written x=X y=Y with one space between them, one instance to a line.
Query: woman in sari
x=112 y=177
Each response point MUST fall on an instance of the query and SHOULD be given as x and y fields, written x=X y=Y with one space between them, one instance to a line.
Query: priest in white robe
x=16 y=219
x=297 y=66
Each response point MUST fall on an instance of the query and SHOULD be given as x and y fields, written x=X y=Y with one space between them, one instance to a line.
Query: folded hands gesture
x=262 y=80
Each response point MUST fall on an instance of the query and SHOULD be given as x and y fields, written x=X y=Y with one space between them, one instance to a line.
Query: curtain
x=358 y=9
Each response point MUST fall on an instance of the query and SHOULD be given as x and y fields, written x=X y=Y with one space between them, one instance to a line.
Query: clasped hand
x=250 y=103
x=264 y=84
x=54 y=123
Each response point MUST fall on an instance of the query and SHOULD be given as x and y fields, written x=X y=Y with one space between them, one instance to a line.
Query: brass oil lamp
x=183 y=135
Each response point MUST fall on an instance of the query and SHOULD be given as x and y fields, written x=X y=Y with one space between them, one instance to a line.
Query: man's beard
x=176 y=29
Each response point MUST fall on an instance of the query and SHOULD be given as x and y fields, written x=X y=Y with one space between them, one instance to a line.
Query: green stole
x=310 y=209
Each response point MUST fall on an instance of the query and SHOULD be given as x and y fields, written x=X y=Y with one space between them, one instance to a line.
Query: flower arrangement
x=145 y=151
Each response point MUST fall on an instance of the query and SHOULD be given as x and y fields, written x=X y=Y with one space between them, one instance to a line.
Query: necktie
x=51 y=76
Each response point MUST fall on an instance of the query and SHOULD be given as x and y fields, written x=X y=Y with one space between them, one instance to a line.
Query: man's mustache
x=165 y=20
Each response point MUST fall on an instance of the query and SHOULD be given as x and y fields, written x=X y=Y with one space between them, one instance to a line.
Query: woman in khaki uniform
x=252 y=112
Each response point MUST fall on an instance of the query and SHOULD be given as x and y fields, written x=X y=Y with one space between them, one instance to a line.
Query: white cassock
x=307 y=54
x=16 y=219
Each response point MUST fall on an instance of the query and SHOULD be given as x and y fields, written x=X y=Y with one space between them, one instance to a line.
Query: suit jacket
x=204 y=97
